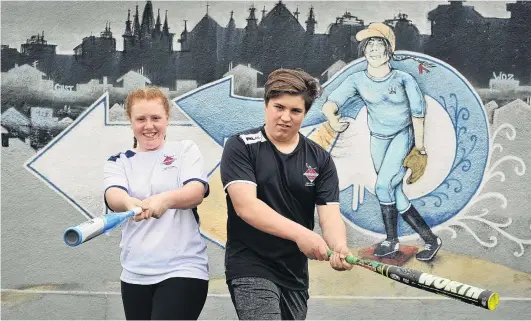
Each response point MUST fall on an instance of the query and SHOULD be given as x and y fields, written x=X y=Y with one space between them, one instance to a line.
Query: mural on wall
x=472 y=72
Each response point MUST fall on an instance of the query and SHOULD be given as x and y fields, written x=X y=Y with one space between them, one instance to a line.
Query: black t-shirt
x=291 y=184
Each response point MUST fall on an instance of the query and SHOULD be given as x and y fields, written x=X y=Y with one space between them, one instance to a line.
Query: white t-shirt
x=157 y=249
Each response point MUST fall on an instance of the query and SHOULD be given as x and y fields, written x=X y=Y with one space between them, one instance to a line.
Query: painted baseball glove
x=417 y=163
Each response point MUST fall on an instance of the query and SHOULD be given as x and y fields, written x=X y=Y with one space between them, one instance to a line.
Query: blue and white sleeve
x=114 y=175
x=193 y=166
x=343 y=92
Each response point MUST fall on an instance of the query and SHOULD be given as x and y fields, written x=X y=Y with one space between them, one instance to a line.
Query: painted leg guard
x=432 y=242
x=390 y=245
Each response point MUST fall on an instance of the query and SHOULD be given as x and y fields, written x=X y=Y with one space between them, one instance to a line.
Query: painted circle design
x=452 y=91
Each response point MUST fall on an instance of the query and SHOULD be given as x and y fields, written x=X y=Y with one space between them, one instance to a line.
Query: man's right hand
x=312 y=245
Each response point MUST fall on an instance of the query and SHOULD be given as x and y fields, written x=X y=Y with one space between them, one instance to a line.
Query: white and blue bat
x=83 y=232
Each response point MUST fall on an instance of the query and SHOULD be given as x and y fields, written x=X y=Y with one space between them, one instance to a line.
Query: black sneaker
x=387 y=248
x=430 y=249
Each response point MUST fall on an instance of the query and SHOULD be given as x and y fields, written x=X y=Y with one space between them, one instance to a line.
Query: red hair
x=149 y=93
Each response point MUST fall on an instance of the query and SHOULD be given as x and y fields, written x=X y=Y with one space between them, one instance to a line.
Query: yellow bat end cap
x=494 y=299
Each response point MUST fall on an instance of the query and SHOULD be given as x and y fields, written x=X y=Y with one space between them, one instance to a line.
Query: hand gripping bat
x=431 y=283
x=83 y=232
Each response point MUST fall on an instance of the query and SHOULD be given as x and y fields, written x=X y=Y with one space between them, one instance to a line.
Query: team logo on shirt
x=311 y=174
x=168 y=160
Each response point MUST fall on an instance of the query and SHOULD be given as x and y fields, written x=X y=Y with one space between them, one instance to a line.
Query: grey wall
x=52 y=158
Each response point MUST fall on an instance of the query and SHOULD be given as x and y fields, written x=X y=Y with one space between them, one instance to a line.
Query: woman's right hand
x=133 y=203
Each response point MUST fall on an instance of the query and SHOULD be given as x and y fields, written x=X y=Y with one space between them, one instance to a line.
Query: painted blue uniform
x=391 y=103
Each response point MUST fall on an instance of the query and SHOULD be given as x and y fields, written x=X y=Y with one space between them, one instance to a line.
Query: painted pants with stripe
x=387 y=156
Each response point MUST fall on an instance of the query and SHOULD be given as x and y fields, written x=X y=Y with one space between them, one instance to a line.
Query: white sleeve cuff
x=239 y=181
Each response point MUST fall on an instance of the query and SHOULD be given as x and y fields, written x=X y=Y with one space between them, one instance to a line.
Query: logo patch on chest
x=168 y=161
x=311 y=174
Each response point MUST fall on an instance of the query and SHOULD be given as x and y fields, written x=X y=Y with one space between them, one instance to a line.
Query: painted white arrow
x=72 y=163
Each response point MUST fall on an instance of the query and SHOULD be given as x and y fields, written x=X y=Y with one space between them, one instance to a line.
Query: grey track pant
x=260 y=299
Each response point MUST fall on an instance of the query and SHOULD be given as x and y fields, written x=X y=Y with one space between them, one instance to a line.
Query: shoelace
x=386 y=243
x=427 y=247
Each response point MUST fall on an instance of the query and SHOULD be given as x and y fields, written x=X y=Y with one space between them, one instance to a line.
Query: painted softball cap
x=377 y=29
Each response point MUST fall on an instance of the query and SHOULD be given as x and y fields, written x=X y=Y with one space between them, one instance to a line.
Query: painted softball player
x=396 y=109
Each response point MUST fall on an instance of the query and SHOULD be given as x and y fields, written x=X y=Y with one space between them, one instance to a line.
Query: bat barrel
x=90 y=229
x=466 y=293
x=81 y=233
x=460 y=291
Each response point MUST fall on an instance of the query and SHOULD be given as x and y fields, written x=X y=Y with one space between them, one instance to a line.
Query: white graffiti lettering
x=63 y=87
x=502 y=76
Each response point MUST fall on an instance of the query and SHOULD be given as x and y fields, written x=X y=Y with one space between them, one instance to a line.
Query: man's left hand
x=337 y=259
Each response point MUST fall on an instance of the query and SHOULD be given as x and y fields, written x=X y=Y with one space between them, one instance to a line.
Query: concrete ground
x=48 y=305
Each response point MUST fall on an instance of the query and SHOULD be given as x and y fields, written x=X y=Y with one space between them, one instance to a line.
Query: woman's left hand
x=153 y=206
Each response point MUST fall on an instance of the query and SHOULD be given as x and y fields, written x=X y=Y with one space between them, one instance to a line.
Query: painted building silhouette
x=476 y=46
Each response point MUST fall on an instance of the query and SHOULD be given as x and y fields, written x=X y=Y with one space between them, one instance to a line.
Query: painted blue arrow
x=219 y=112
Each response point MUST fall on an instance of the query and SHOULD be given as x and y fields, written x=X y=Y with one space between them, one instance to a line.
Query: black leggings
x=171 y=299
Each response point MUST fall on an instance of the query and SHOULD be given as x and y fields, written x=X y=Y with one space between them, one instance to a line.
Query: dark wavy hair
x=363 y=44
x=292 y=82
x=389 y=51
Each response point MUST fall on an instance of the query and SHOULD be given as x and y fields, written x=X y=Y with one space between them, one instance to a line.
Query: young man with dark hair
x=274 y=178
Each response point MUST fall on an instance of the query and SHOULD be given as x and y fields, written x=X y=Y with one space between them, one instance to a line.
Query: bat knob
x=137 y=210
x=350 y=259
